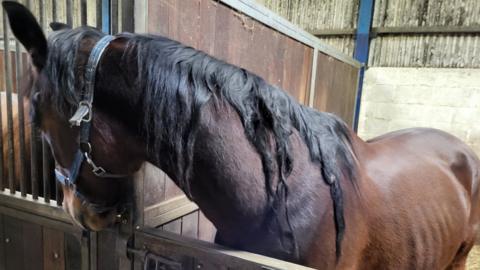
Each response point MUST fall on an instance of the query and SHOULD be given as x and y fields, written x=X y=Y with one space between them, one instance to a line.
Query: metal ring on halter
x=86 y=147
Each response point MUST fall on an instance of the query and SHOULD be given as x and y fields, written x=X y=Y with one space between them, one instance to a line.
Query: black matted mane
x=177 y=81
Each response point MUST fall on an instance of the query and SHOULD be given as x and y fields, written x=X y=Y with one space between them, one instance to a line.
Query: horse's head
x=94 y=158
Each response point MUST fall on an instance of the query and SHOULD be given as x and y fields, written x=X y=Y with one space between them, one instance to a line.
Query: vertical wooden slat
x=83 y=12
x=54 y=11
x=13 y=243
x=32 y=246
x=2 y=156
x=73 y=252
x=21 y=123
x=174 y=226
x=127 y=15
x=208 y=11
x=47 y=172
x=2 y=244
x=206 y=230
x=98 y=9
x=8 y=87
x=53 y=249
x=34 y=148
x=69 y=11
x=190 y=225
x=92 y=248
x=106 y=250
x=114 y=16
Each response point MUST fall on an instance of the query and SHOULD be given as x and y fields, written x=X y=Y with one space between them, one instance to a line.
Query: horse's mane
x=177 y=81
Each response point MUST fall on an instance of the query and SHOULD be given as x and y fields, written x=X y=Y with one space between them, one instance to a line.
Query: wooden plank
x=206 y=229
x=37 y=207
x=189 y=22
x=174 y=226
x=208 y=15
x=158 y=24
x=154 y=185
x=38 y=219
x=183 y=249
x=32 y=245
x=107 y=258
x=2 y=244
x=190 y=225
x=53 y=249
x=167 y=211
x=171 y=189
x=275 y=22
x=73 y=253
x=324 y=81
x=14 y=243
x=222 y=32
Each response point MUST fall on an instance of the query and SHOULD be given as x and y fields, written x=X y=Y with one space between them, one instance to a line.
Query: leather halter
x=82 y=118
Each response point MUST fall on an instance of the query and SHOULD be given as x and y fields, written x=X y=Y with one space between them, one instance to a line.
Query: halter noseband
x=82 y=118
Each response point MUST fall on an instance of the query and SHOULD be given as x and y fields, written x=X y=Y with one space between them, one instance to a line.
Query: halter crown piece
x=82 y=118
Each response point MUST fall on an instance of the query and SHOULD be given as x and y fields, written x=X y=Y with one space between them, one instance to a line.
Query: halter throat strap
x=83 y=117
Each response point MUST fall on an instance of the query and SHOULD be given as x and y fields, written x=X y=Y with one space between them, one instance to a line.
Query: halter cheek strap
x=83 y=117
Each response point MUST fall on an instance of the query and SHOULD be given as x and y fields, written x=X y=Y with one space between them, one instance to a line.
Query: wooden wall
x=231 y=36
x=335 y=81
x=30 y=242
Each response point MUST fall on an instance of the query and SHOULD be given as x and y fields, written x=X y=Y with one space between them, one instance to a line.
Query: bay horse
x=275 y=177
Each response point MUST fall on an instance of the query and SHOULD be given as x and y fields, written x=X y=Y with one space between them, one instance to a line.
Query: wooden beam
x=167 y=211
x=404 y=30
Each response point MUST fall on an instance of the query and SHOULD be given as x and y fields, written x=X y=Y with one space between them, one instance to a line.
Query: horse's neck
x=228 y=181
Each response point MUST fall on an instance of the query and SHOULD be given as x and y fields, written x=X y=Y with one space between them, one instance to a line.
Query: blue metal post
x=106 y=16
x=362 y=44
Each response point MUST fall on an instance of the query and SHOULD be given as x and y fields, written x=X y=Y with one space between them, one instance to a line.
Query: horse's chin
x=96 y=222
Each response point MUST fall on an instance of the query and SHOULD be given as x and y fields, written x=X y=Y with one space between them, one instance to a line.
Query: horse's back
x=426 y=206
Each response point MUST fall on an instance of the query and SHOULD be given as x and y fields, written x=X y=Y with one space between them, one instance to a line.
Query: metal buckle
x=97 y=170
x=61 y=178
x=82 y=114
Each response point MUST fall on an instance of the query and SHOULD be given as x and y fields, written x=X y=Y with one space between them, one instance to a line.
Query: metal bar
x=83 y=12
x=46 y=171
x=313 y=79
x=269 y=18
x=68 y=11
x=362 y=43
x=21 y=121
x=8 y=87
x=106 y=16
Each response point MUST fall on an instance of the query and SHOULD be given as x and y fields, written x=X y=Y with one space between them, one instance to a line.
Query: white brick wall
x=397 y=98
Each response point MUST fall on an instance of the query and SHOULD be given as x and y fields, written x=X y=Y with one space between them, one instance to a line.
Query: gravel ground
x=473 y=262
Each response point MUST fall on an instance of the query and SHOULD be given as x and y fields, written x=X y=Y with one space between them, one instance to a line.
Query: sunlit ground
x=474 y=259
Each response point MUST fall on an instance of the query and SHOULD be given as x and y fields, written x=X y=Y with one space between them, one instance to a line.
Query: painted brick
x=397 y=98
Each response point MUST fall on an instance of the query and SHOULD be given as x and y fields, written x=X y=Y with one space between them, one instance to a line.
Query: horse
x=275 y=177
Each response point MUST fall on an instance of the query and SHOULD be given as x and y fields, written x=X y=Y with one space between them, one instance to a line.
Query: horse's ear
x=56 y=26
x=27 y=30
